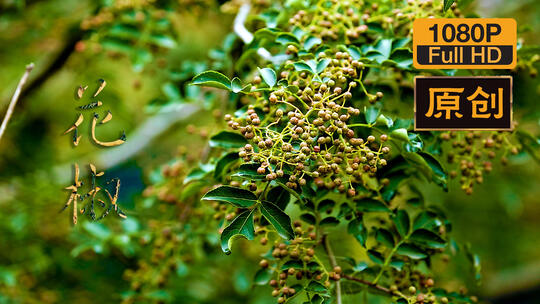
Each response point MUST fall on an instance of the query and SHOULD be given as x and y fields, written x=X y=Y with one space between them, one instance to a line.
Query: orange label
x=464 y=43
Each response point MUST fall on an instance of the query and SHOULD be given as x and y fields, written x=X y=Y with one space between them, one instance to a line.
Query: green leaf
x=375 y=257
x=296 y=264
x=308 y=218
x=403 y=222
x=329 y=221
x=249 y=171
x=322 y=64
x=287 y=38
x=403 y=58
x=241 y=281
x=360 y=266
x=159 y=295
x=439 y=176
x=279 y=196
x=355 y=52
x=302 y=66
x=236 y=85
x=400 y=134
x=385 y=237
x=193 y=188
x=241 y=226
x=447 y=4
x=371 y=205
x=212 y=79
x=311 y=41
x=227 y=140
x=224 y=162
x=529 y=142
x=427 y=220
x=371 y=114
x=236 y=196
x=98 y=230
x=400 y=43
x=196 y=173
x=357 y=229
x=279 y=219
x=171 y=91
x=124 y=31
x=418 y=161
x=411 y=251
x=427 y=238
x=385 y=121
x=262 y=277
x=316 y=287
x=475 y=261
x=292 y=88
x=162 y=41
x=397 y=264
x=384 y=47
x=380 y=52
x=269 y=76
x=326 y=204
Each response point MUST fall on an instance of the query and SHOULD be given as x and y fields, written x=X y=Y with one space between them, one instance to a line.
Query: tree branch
x=15 y=98
x=74 y=35
x=365 y=282
x=333 y=263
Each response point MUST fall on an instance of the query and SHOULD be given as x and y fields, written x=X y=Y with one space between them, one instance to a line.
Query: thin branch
x=365 y=282
x=333 y=262
x=15 y=98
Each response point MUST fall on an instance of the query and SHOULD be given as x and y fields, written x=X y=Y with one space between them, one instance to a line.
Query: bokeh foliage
x=45 y=259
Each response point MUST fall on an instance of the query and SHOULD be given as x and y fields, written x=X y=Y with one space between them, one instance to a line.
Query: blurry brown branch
x=365 y=282
x=333 y=263
x=74 y=35
x=15 y=98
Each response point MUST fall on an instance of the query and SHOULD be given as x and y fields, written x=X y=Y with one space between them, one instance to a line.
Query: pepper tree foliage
x=325 y=139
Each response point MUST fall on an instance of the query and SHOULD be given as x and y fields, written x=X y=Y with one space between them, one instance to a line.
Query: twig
x=333 y=262
x=365 y=282
x=15 y=98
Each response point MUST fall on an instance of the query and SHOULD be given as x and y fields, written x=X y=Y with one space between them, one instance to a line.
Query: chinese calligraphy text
x=463 y=103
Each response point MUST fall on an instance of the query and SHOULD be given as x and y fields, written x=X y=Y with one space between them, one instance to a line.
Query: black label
x=465 y=55
x=459 y=103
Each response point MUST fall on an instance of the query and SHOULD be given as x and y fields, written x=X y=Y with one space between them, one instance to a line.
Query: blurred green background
x=44 y=259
